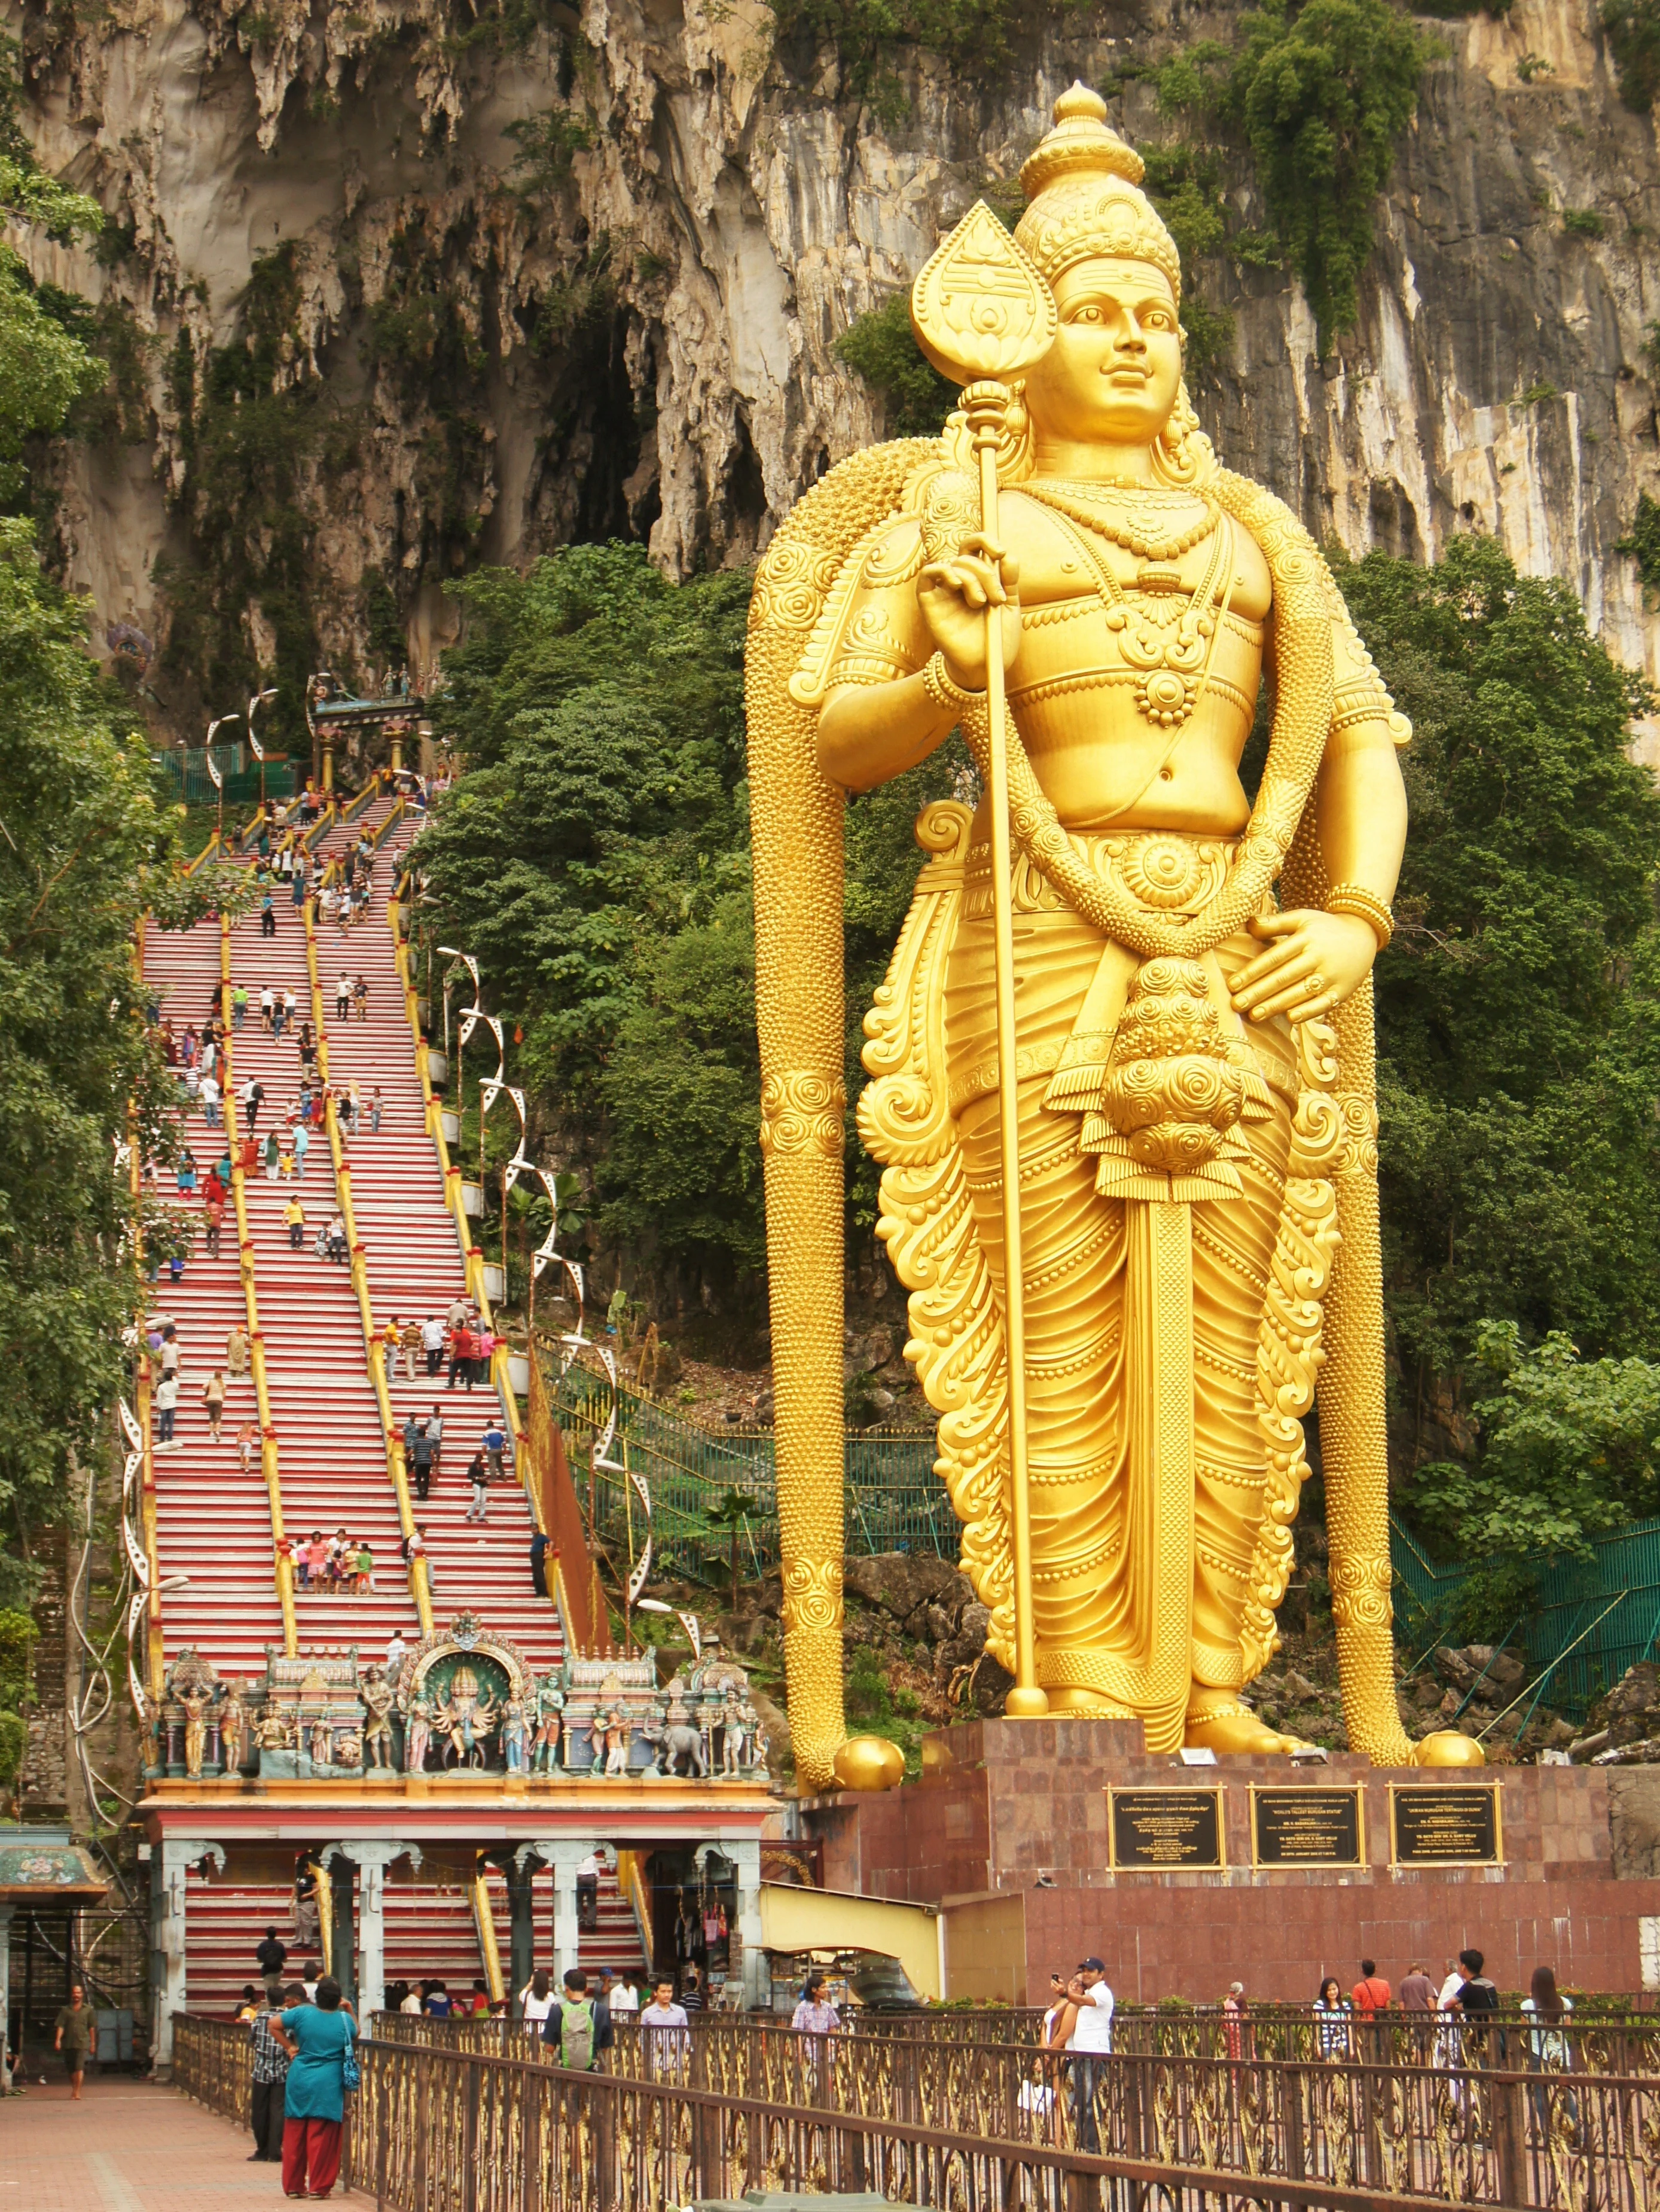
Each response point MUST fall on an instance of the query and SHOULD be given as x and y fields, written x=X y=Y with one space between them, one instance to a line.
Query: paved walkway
x=127 y=2147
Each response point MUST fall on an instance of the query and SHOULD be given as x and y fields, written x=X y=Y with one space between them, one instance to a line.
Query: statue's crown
x=1082 y=184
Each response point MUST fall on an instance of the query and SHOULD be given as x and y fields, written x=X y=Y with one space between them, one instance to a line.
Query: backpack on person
x=576 y=2034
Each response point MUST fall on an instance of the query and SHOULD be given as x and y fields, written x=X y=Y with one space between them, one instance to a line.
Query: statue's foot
x=1225 y=1725
x=1089 y=1704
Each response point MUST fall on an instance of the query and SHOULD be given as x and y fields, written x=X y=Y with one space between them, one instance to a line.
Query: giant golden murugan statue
x=1176 y=1131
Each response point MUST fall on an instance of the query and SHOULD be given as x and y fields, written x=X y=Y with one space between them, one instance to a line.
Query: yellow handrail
x=155 y=1662
x=483 y=1922
x=283 y=1566
x=420 y=1581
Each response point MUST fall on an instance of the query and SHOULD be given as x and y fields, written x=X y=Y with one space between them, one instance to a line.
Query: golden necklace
x=1171 y=657
x=1142 y=534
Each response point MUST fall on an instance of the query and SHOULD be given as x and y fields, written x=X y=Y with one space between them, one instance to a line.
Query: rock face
x=585 y=278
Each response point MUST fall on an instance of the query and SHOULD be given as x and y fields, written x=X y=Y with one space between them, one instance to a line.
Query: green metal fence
x=895 y=1500
x=186 y=767
x=1596 y=1617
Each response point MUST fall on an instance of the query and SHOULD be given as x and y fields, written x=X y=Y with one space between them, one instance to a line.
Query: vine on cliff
x=1634 y=35
x=1322 y=95
x=975 y=36
x=260 y=434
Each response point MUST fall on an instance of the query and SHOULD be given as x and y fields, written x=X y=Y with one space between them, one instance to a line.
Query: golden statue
x=1104 y=1048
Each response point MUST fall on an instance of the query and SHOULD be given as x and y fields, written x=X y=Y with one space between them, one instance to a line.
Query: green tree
x=84 y=853
x=727 y=1518
x=1519 y=1004
x=1569 y=1450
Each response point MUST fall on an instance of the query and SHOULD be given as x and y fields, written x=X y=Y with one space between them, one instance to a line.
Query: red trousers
x=313 y=2144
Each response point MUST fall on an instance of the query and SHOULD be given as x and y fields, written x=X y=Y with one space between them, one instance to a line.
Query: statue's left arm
x=1313 y=960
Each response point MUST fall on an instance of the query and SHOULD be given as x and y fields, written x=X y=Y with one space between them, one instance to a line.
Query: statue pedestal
x=1047 y=1841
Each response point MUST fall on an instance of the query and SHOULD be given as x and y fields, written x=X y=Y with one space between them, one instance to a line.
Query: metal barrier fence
x=1470 y=2124
x=895 y=1500
x=440 y=2130
x=1616 y=2050
x=213 y=2062
x=186 y=767
x=1596 y=1616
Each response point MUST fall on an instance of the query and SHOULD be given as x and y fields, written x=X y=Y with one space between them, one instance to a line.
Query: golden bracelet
x=1365 y=906
x=950 y=696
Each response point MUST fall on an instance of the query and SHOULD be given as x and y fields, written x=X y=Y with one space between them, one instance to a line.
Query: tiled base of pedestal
x=1008 y=1831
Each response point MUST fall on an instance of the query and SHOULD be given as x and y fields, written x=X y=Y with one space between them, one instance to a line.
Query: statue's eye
x=1086 y=313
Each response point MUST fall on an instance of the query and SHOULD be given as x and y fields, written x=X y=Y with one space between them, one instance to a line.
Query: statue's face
x=1111 y=375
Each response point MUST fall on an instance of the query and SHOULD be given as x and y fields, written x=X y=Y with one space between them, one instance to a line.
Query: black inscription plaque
x=1306 y=1827
x=1442 y=1828
x=1165 y=1829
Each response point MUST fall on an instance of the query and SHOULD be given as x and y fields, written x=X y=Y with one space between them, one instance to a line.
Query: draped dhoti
x=1147 y=1462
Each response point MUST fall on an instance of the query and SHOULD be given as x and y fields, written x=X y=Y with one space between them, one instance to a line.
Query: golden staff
x=983 y=316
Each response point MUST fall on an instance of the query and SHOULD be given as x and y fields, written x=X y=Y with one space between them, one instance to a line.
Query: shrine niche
x=463 y=1695
x=310 y=1726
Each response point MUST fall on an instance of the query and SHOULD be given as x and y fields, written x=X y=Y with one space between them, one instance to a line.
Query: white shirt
x=1450 y=1988
x=1093 y=2031
x=209 y=1091
x=537 y=2008
x=412 y=2003
x=591 y=1864
x=432 y=1334
x=624 y=1998
x=396 y=1651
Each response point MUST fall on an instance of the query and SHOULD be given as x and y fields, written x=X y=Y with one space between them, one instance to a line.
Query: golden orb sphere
x=869 y=1762
x=1448 y=1748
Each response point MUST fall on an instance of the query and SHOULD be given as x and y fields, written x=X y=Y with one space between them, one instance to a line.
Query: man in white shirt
x=432 y=1343
x=397 y=1652
x=624 y=1998
x=211 y=1101
x=1091 y=2039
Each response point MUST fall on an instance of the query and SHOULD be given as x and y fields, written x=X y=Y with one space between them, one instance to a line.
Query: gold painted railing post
x=420 y=1572
x=282 y=1566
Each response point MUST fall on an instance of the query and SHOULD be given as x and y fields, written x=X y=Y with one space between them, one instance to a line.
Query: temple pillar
x=744 y=1856
x=562 y=1857
x=521 y=1929
x=178 y=1854
x=338 y=1872
x=372 y=1860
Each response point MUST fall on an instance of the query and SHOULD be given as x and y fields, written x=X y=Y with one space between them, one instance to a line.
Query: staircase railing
x=631 y=1881
x=472 y=1257
x=154 y=1663
x=282 y=1565
x=420 y=1569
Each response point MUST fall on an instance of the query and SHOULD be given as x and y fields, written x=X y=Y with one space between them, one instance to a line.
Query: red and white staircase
x=214 y=1534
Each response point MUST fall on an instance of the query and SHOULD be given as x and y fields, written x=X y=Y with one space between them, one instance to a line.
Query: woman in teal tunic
x=318 y=2040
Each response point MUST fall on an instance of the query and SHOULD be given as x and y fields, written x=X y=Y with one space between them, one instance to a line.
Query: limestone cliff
x=529 y=277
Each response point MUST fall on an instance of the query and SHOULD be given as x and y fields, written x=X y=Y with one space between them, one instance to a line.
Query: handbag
x=351 y=2076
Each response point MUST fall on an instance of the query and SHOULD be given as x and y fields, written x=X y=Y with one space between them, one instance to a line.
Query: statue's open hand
x=1313 y=961
x=954 y=595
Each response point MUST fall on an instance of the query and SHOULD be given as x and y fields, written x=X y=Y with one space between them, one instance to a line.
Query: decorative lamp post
x=259 y=750
x=213 y=772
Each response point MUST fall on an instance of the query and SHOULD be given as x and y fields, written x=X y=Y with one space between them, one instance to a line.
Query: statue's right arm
x=879 y=718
